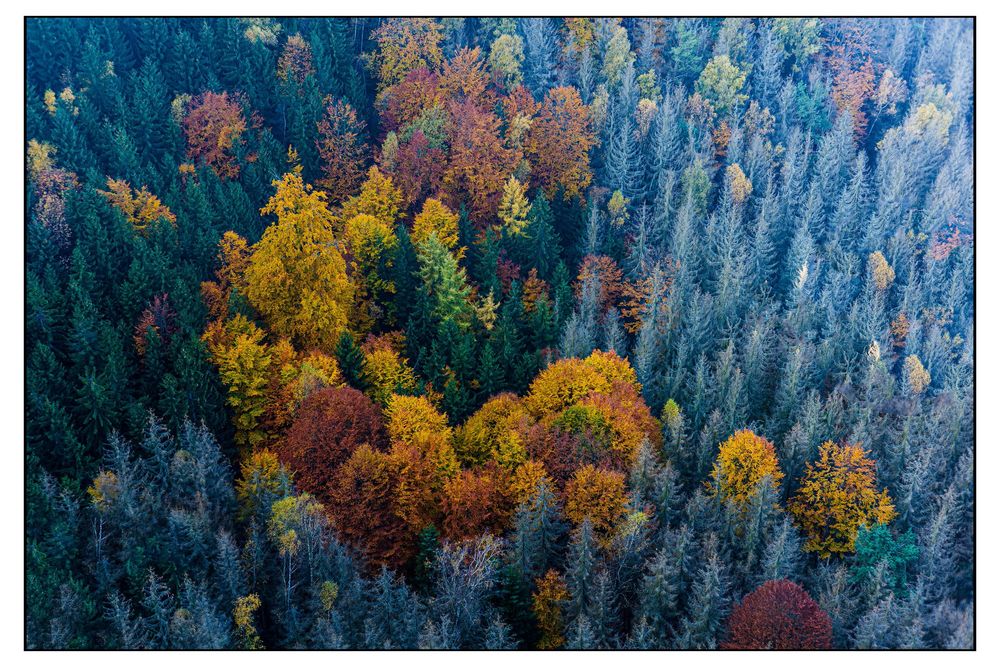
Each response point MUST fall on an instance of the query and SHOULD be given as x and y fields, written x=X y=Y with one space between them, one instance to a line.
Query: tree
x=437 y=219
x=342 y=150
x=296 y=62
x=547 y=606
x=244 y=368
x=598 y=496
x=567 y=381
x=445 y=282
x=379 y=198
x=836 y=497
x=478 y=161
x=384 y=372
x=329 y=425
x=779 y=615
x=506 y=57
x=297 y=277
x=514 y=208
x=744 y=461
x=559 y=142
x=405 y=44
x=363 y=507
x=140 y=207
x=720 y=83
x=214 y=124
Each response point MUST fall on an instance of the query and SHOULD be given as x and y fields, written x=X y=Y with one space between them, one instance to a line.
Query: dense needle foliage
x=499 y=333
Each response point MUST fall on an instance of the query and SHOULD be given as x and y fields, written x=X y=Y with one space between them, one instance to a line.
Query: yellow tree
x=385 y=372
x=405 y=44
x=436 y=218
x=598 y=495
x=547 y=605
x=296 y=277
x=244 y=368
x=140 y=207
x=514 y=207
x=744 y=460
x=837 y=496
x=567 y=381
x=408 y=416
x=379 y=198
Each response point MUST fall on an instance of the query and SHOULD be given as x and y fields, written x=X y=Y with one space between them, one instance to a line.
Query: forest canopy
x=499 y=333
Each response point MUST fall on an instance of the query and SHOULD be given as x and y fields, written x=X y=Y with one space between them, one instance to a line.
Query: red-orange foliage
x=559 y=142
x=464 y=79
x=779 y=615
x=419 y=169
x=213 y=125
x=475 y=503
x=479 y=163
x=159 y=317
x=329 y=425
x=363 y=508
x=342 y=150
x=403 y=103
x=853 y=71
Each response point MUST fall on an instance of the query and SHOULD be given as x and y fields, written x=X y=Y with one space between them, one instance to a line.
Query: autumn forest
x=492 y=333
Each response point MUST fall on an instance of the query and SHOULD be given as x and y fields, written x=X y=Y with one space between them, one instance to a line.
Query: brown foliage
x=213 y=125
x=362 y=505
x=341 y=149
x=475 y=502
x=329 y=425
x=559 y=142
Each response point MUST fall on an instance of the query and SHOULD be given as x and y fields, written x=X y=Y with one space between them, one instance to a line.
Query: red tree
x=779 y=615
x=329 y=425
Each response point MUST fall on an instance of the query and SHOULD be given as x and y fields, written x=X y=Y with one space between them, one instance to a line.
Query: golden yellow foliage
x=570 y=380
x=514 y=207
x=386 y=372
x=523 y=483
x=744 y=460
x=917 y=377
x=243 y=619
x=547 y=606
x=296 y=277
x=40 y=157
x=379 y=198
x=261 y=476
x=836 y=497
x=104 y=491
x=244 y=368
x=882 y=275
x=483 y=434
x=436 y=218
x=598 y=495
x=739 y=185
x=140 y=207
x=408 y=416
